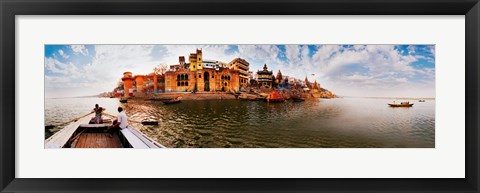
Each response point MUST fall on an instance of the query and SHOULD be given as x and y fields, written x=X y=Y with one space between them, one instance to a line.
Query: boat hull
x=400 y=105
x=81 y=134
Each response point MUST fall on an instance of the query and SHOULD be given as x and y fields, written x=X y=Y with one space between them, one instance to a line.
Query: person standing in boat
x=98 y=114
x=120 y=123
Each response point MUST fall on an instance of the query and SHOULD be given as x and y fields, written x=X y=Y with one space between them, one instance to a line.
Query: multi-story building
x=242 y=67
x=265 y=77
x=202 y=75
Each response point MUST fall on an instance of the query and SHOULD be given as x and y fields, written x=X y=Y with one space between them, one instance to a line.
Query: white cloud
x=66 y=69
x=63 y=54
x=79 y=49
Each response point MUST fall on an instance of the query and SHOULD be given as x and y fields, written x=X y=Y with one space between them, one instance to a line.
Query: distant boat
x=403 y=104
x=274 y=96
x=421 y=100
x=171 y=101
x=298 y=99
x=123 y=100
x=160 y=99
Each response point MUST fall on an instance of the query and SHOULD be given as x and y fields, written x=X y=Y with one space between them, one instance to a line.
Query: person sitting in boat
x=120 y=123
x=98 y=114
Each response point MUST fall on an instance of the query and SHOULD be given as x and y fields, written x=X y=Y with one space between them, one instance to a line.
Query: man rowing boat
x=98 y=114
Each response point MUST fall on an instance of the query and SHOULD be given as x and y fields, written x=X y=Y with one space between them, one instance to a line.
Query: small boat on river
x=274 y=96
x=298 y=99
x=81 y=134
x=123 y=100
x=161 y=99
x=402 y=104
x=171 y=101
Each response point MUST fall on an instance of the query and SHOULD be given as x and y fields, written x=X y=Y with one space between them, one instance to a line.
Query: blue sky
x=348 y=70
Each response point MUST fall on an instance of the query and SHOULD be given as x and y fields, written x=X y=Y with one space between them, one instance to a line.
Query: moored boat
x=298 y=99
x=123 y=100
x=402 y=104
x=274 y=96
x=81 y=134
x=161 y=99
x=171 y=101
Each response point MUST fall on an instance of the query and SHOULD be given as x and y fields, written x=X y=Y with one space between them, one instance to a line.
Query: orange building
x=127 y=84
x=206 y=80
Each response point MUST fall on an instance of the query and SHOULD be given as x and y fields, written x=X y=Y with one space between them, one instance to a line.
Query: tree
x=120 y=84
x=160 y=69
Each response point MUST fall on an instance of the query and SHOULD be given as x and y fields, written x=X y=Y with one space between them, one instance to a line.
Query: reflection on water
x=342 y=122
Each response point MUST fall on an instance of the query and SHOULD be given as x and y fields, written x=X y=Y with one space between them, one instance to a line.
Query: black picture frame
x=11 y=8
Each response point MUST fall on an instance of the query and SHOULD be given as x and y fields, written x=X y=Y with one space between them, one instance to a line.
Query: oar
x=76 y=119
x=133 y=121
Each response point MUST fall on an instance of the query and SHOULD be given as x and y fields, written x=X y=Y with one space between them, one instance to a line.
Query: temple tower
x=139 y=82
x=127 y=83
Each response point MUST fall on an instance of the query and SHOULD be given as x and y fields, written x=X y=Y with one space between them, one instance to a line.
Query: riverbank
x=187 y=96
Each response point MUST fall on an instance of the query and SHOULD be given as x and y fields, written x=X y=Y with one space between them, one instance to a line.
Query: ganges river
x=316 y=123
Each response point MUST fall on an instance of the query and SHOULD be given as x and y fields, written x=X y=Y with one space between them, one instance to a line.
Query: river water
x=340 y=122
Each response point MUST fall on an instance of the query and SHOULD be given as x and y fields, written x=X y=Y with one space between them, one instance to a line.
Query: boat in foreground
x=81 y=134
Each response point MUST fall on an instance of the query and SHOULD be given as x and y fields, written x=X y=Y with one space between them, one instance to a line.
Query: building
x=142 y=84
x=265 y=77
x=202 y=75
x=279 y=77
x=195 y=60
x=242 y=67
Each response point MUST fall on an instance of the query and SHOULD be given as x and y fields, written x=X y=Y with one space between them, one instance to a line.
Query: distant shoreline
x=393 y=98
x=228 y=96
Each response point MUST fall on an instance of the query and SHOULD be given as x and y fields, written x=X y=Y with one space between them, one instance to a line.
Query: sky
x=347 y=70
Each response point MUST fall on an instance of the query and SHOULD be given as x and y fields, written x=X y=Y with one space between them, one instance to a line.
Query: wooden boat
x=81 y=134
x=160 y=99
x=123 y=100
x=274 y=96
x=171 y=101
x=298 y=99
x=401 y=105
x=421 y=100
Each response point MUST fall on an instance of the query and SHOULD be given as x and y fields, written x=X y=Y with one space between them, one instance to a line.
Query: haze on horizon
x=347 y=70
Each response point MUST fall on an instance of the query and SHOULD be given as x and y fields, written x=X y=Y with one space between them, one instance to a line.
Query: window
x=186 y=83
x=199 y=76
x=182 y=84
x=186 y=76
x=178 y=83
x=213 y=76
x=226 y=84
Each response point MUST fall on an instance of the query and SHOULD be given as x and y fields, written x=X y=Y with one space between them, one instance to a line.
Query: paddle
x=76 y=119
x=133 y=121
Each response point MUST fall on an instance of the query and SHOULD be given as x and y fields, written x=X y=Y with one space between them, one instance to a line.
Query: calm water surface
x=341 y=122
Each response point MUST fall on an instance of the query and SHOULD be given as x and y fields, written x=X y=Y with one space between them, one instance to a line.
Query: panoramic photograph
x=239 y=96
